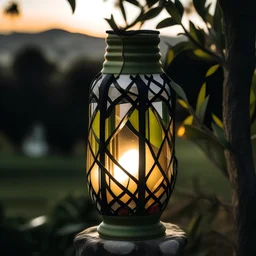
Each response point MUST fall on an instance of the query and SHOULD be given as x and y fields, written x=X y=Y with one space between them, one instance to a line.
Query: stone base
x=88 y=243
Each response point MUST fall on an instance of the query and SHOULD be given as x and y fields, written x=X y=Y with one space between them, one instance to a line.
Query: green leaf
x=189 y=120
x=252 y=102
x=209 y=19
x=173 y=11
x=201 y=223
x=253 y=128
x=212 y=148
x=200 y=7
x=72 y=5
x=212 y=70
x=112 y=23
x=150 y=3
x=217 y=121
x=152 y=13
x=253 y=98
x=207 y=8
x=180 y=7
x=169 y=56
x=133 y=2
x=203 y=55
x=166 y=23
x=179 y=91
x=201 y=97
x=197 y=34
x=195 y=133
x=218 y=26
x=193 y=226
x=254 y=79
x=121 y=5
x=177 y=49
x=183 y=103
x=202 y=109
x=220 y=134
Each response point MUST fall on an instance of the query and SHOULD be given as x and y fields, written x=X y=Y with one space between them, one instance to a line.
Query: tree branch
x=216 y=57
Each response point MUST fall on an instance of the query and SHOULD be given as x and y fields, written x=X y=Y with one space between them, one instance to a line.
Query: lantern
x=131 y=166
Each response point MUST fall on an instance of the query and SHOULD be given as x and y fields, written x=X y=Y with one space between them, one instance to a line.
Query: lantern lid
x=132 y=32
x=132 y=52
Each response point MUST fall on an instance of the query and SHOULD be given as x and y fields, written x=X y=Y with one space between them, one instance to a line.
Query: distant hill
x=59 y=46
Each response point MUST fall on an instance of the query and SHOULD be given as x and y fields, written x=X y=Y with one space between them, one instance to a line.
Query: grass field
x=30 y=187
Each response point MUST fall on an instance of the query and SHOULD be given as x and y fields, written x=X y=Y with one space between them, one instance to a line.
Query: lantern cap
x=132 y=52
x=132 y=32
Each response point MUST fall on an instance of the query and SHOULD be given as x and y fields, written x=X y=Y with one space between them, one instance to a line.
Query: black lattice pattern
x=149 y=121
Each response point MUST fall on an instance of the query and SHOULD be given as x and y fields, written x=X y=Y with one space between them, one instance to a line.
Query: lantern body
x=131 y=166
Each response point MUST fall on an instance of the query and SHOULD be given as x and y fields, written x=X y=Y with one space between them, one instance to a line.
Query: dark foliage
x=195 y=69
x=37 y=92
x=12 y=9
x=50 y=235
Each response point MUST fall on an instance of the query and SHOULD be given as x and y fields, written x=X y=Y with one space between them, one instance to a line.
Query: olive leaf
x=197 y=34
x=188 y=120
x=210 y=145
x=179 y=91
x=183 y=103
x=217 y=25
x=217 y=121
x=173 y=11
x=180 y=7
x=203 y=55
x=150 y=3
x=209 y=19
x=202 y=109
x=152 y=13
x=252 y=102
x=112 y=23
x=169 y=56
x=201 y=97
x=121 y=5
x=202 y=222
x=221 y=136
x=72 y=4
x=200 y=7
x=177 y=49
x=212 y=70
x=193 y=226
x=166 y=23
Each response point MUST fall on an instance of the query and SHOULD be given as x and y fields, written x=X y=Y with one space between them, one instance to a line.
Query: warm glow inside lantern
x=131 y=166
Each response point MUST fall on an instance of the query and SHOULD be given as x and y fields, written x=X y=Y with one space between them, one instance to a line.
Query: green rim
x=133 y=52
x=131 y=228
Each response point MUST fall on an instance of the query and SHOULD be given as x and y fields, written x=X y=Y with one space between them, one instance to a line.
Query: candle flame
x=129 y=161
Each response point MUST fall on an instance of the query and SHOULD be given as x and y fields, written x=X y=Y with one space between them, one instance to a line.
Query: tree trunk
x=239 y=23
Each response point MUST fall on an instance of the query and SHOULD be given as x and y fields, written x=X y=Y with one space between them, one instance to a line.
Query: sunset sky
x=38 y=15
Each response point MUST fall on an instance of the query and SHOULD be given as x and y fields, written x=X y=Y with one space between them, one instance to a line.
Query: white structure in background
x=35 y=144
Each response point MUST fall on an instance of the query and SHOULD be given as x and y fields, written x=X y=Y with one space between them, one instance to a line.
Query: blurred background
x=48 y=58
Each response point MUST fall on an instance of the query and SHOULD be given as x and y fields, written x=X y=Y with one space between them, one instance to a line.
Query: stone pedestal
x=88 y=243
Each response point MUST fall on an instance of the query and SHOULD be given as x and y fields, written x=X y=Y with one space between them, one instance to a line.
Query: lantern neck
x=132 y=52
x=131 y=227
